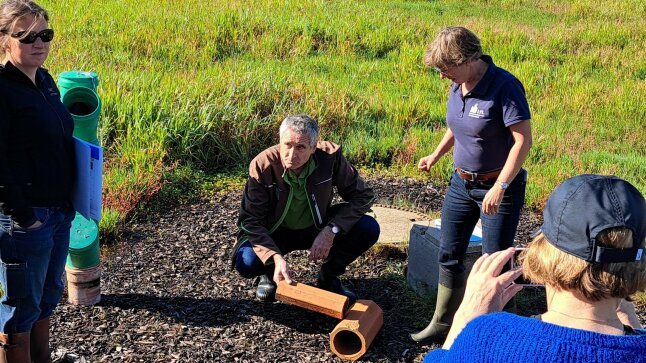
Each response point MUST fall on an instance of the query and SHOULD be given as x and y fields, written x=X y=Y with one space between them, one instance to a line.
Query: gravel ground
x=168 y=294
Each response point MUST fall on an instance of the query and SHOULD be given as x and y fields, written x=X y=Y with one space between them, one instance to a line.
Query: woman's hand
x=442 y=148
x=487 y=290
x=492 y=200
x=522 y=134
x=281 y=269
x=427 y=162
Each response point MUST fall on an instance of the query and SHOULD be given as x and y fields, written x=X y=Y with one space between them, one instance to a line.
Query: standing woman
x=36 y=175
x=490 y=133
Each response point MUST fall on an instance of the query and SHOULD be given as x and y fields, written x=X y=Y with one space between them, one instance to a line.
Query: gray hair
x=11 y=11
x=301 y=124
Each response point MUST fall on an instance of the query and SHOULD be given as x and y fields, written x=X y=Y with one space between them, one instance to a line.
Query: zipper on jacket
x=316 y=208
x=324 y=181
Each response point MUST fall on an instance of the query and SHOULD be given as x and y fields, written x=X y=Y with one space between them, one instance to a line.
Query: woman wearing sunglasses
x=36 y=174
x=489 y=131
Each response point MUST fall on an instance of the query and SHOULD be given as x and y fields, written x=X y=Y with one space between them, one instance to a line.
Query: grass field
x=194 y=86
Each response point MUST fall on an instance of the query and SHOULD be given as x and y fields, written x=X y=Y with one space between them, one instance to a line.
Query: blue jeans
x=345 y=248
x=461 y=210
x=32 y=263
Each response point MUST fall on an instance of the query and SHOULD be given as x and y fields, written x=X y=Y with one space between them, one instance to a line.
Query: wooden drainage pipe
x=353 y=335
x=313 y=298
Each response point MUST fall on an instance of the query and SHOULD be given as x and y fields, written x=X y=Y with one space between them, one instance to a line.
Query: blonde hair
x=452 y=47
x=11 y=11
x=545 y=264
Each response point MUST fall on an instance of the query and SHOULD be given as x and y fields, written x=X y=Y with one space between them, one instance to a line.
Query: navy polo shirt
x=480 y=120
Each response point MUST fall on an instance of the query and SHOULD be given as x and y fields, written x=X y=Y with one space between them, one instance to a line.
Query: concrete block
x=423 y=250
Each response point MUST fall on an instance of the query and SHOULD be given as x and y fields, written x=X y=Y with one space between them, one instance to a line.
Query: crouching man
x=287 y=206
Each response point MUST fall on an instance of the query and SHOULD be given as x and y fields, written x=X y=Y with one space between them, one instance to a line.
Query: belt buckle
x=473 y=177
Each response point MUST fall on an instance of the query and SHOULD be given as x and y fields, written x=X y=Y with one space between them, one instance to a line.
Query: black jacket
x=36 y=146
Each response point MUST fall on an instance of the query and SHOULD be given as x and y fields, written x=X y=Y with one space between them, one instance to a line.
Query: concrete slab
x=395 y=224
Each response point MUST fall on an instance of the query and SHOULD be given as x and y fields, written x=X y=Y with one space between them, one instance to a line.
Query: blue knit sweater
x=504 y=337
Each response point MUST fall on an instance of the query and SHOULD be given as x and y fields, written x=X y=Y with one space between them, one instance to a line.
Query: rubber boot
x=450 y=292
x=40 y=342
x=15 y=348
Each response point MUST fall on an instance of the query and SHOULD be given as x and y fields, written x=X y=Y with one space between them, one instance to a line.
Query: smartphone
x=514 y=263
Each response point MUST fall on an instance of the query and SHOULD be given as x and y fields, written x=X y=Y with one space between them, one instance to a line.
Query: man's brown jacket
x=267 y=197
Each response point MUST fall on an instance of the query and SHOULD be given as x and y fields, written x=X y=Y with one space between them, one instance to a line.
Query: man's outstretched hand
x=281 y=269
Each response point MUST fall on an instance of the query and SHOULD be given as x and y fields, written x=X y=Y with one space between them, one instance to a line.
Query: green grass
x=204 y=84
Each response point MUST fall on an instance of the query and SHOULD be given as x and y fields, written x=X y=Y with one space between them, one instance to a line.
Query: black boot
x=333 y=284
x=266 y=289
x=450 y=292
x=333 y=267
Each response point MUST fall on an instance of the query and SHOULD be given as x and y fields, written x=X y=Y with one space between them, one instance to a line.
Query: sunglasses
x=448 y=69
x=45 y=35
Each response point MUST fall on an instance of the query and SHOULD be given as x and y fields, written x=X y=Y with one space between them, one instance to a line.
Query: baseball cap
x=582 y=206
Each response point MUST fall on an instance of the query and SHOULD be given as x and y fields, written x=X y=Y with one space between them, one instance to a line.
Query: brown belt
x=469 y=176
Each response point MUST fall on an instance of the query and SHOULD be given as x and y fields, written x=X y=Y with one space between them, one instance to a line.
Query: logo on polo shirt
x=475 y=112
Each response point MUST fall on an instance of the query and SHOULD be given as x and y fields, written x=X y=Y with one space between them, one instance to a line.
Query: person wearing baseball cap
x=589 y=256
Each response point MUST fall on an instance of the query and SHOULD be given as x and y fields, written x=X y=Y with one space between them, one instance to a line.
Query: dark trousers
x=345 y=248
x=461 y=210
